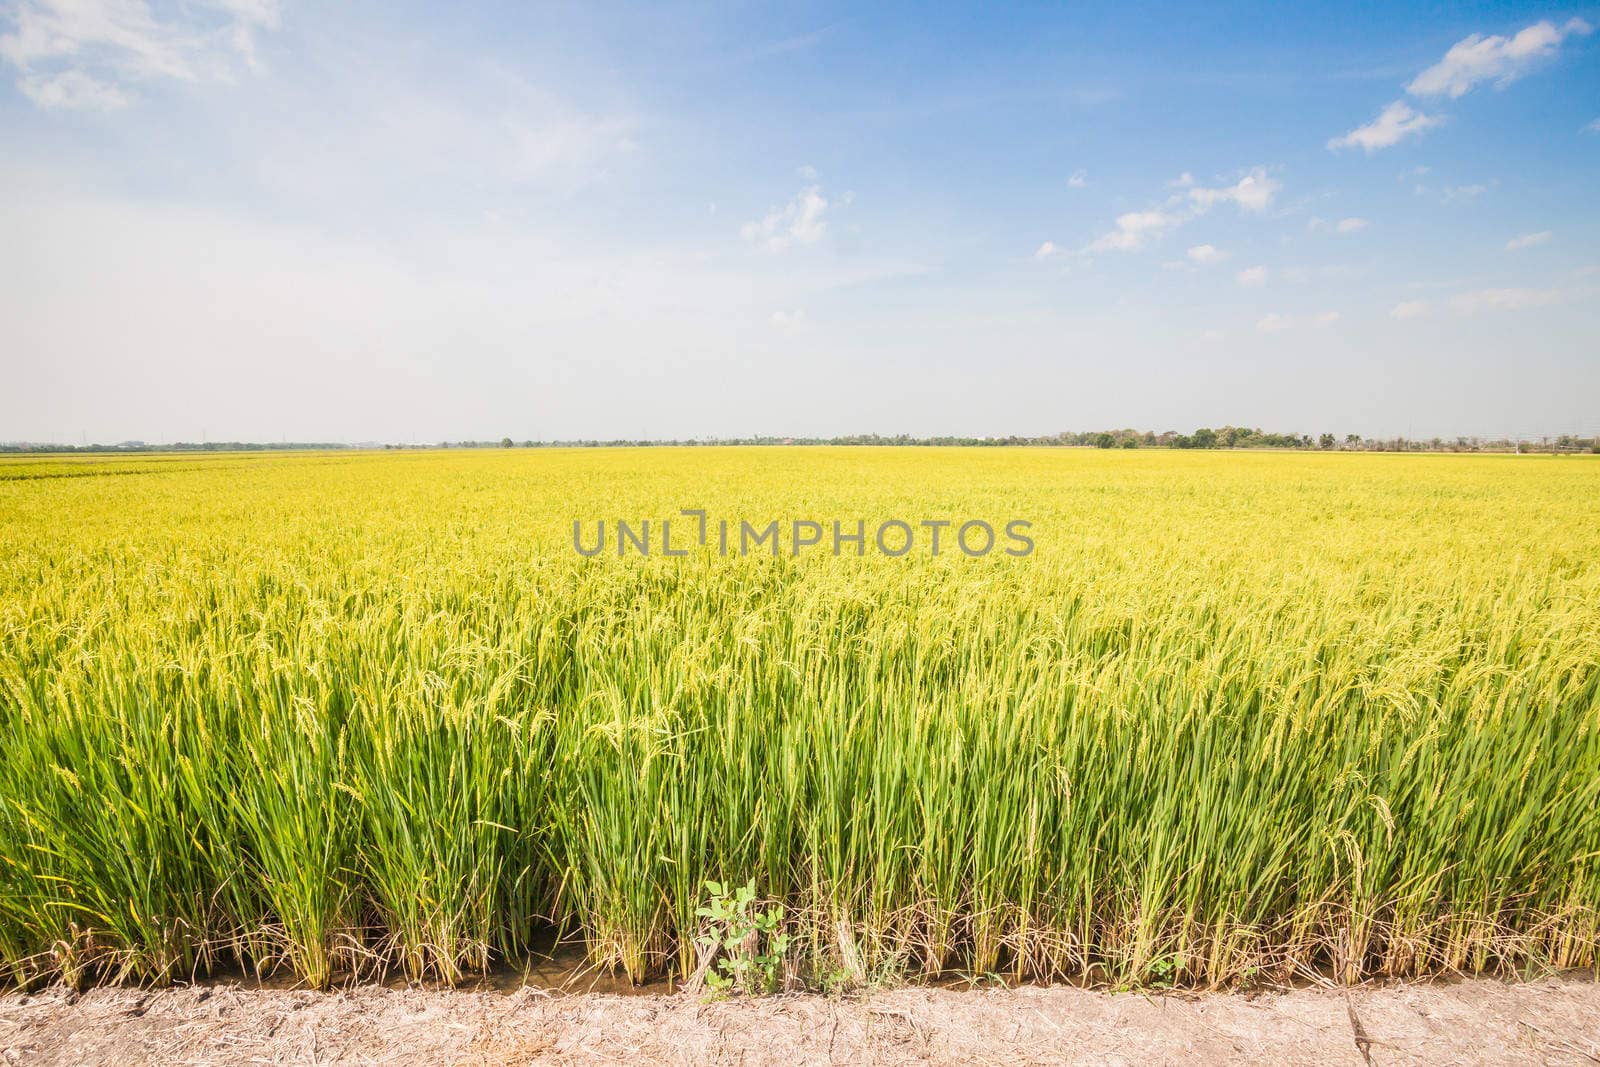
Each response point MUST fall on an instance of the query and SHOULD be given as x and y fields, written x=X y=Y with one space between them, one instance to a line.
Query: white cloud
x=491 y=142
x=1253 y=192
x=1394 y=123
x=1509 y=299
x=125 y=34
x=72 y=90
x=807 y=172
x=1273 y=323
x=1206 y=254
x=1408 y=309
x=248 y=16
x=1329 y=272
x=1046 y=250
x=1351 y=225
x=1504 y=59
x=1324 y=319
x=1252 y=277
x=1528 y=240
x=788 y=320
x=1078 y=180
x=1463 y=194
x=1211 y=335
x=84 y=53
x=1134 y=230
x=799 y=221
x=1593 y=127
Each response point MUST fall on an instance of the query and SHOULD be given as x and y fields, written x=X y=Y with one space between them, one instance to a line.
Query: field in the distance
x=1237 y=714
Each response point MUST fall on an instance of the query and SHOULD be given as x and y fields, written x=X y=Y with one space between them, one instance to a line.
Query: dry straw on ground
x=1553 y=1021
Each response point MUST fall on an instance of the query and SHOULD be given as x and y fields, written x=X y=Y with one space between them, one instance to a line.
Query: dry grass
x=1552 y=1021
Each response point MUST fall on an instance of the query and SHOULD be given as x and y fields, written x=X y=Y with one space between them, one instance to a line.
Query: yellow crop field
x=1228 y=715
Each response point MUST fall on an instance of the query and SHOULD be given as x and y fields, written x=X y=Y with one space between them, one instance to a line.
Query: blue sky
x=253 y=219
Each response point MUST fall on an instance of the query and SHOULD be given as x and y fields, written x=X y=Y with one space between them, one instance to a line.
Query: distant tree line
x=1246 y=437
x=1203 y=438
x=186 y=446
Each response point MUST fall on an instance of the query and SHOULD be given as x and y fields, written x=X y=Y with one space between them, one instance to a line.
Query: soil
x=1554 y=1020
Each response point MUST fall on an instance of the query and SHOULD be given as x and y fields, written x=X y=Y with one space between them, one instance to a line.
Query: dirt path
x=1555 y=1020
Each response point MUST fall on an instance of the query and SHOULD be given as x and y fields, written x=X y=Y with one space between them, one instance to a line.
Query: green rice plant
x=1240 y=716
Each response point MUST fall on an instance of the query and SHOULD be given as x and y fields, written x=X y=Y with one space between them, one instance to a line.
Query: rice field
x=1237 y=716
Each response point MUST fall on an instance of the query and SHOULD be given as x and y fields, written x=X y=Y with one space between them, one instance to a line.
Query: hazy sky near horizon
x=254 y=219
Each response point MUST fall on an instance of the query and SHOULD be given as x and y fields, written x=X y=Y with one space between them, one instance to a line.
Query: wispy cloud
x=1528 y=240
x=1078 y=180
x=1323 y=319
x=72 y=90
x=1477 y=58
x=1206 y=254
x=1046 y=251
x=1470 y=61
x=1395 y=123
x=799 y=42
x=1135 y=229
x=1352 y=224
x=87 y=54
x=1462 y=194
x=1513 y=299
x=800 y=221
x=1409 y=309
x=1252 y=193
x=491 y=142
x=1252 y=277
x=1274 y=323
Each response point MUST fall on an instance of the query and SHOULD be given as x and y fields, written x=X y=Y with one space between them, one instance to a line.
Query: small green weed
x=745 y=938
